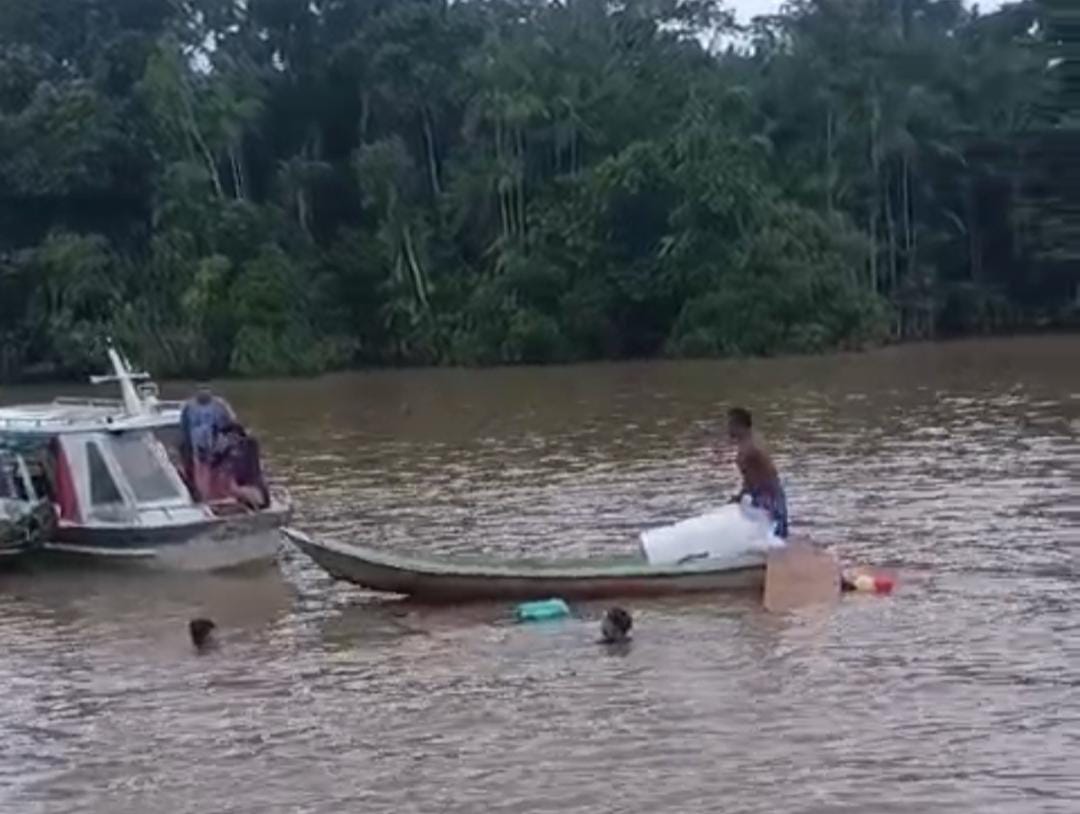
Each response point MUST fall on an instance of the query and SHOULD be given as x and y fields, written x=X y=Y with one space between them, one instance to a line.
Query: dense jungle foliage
x=287 y=186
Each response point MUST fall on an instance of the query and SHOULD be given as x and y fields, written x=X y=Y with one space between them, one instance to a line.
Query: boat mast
x=125 y=376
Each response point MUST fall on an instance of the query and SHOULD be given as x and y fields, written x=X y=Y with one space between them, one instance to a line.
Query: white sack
x=728 y=533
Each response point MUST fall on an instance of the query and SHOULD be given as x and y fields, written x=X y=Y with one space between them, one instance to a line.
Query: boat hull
x=240 y=541
x=457 y=581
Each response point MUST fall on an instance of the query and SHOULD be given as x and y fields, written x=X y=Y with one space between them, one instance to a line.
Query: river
x=956 y=463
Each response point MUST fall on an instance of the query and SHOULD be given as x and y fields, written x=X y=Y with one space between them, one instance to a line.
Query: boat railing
x=50 y=422
x=113 y=404
x=113 y=422
x=140 y=407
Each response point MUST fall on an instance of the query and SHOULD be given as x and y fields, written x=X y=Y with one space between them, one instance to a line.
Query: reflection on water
x=957 y=463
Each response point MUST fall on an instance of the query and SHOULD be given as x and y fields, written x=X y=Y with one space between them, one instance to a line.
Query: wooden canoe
x=462 y=580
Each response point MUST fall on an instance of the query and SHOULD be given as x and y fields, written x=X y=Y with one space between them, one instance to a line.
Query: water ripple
x=957 y=464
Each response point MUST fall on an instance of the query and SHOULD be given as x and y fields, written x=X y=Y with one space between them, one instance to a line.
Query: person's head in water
x=202 y=633
x=616 y=626
x=740 y=423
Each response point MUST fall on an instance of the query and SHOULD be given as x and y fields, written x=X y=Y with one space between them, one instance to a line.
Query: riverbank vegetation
x=276 y=186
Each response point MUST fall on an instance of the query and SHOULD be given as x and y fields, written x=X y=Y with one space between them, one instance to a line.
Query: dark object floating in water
x=202 y=633
x=616 y=626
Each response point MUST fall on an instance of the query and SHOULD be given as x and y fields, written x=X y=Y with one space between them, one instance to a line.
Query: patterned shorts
x=774 y=501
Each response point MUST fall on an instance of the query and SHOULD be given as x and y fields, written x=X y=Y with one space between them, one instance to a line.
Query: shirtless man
x=760 y=479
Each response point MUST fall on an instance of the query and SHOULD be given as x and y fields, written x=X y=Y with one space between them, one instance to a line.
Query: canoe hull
x=435 y=581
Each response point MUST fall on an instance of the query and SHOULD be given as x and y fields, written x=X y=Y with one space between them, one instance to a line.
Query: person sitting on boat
x=237 y=458
x=761 y=481
x=203 y=418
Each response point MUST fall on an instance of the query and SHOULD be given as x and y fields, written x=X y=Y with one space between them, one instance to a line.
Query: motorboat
x=112 y=474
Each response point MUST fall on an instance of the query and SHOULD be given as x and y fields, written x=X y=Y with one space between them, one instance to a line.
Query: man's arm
x=741 y=463
x=224 y=415
x=230 y=413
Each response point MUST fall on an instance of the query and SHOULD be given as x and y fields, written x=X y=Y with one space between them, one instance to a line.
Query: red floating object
x=869 y=583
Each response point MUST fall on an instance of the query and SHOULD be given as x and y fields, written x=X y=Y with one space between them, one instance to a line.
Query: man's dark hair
x=741 y=416
x=200 y=630
x=616 y=626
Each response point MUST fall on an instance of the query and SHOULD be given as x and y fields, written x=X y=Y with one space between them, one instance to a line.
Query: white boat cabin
x=94 y=468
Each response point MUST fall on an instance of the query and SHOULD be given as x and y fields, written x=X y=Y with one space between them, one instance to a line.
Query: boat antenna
x=123 y=373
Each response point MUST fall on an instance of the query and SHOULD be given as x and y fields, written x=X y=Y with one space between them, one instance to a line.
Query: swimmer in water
x=615 y=628
x=202 y=634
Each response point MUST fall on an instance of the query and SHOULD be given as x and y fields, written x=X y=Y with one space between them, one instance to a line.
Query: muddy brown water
x=957 y=463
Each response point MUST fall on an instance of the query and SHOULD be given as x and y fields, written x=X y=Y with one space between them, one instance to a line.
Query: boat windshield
x=103 y=489
x=143 y=468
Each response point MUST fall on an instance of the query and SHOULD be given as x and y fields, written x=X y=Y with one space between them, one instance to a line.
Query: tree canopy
x=288 y=186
